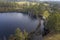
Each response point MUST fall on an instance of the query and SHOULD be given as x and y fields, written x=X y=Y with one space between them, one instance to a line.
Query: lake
x=10 y=21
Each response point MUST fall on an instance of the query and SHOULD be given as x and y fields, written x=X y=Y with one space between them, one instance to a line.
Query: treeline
x=18 y=7
x=6 y=7
x=11 y=7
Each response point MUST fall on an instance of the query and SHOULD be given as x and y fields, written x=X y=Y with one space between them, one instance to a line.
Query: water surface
x=10 y=21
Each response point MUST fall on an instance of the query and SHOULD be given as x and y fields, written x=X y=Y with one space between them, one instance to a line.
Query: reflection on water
x=10 y=21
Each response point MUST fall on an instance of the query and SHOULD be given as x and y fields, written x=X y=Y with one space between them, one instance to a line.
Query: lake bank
x=52 y=37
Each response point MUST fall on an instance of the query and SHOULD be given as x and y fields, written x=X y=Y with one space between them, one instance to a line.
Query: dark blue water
x=10 y=21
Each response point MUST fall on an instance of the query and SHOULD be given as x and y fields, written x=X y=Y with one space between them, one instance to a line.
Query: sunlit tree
x=19 y=34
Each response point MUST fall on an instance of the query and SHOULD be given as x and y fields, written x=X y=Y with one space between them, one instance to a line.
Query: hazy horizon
x=27 y=0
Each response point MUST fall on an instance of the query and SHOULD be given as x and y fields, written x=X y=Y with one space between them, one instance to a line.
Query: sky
x=49 y=0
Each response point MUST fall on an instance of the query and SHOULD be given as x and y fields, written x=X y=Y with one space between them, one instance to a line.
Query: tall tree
x=19 y=35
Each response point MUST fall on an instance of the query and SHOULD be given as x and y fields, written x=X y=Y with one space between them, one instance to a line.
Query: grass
x=52 y=37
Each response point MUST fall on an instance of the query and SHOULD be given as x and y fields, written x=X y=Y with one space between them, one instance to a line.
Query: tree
x=25 y=35
x=53 y=23
x=19 y=35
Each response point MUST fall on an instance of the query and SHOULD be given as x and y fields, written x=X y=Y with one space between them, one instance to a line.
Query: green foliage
x=53 y=20
x=46 y=14
x=13 y=6
x=21 y=35
x=25 y=35
x=37 y=9
x=53 y=23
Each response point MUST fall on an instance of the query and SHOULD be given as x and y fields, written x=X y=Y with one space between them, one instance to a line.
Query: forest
x=50 y=11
